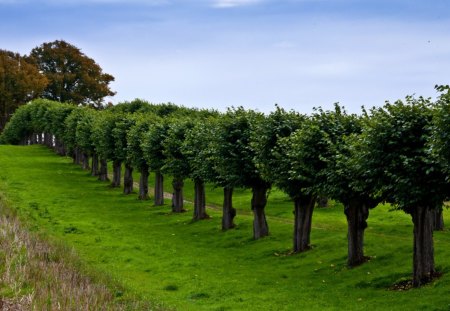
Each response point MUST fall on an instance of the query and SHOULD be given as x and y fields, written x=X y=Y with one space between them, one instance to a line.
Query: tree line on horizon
x=398 y=153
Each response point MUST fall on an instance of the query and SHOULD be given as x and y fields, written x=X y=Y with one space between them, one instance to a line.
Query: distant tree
x=73 y=77
x=20 y=82
x=393 y=153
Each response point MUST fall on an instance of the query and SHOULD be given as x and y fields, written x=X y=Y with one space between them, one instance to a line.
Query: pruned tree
x=393 y=153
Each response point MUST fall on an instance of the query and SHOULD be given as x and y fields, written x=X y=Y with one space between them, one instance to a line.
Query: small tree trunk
x=228 y=211
x=199 y=200
x=259 y=201
x=85 y=164
x=48 y=140
x=357 y=213
x=177 y=200
x=438 y=220
x=76 y=156
x=322 y=201
x=303 y=210
x=103 y=175
x=128 y=179
x=95 y=171
x=159 y=188
x=39 y=138
x=117 y=171
x=143 y=184
x=423 y=259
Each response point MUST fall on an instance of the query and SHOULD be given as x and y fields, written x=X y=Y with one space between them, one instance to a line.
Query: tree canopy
x=72 y=76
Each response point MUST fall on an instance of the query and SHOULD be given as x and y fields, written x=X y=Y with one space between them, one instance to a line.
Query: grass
x=167 y=259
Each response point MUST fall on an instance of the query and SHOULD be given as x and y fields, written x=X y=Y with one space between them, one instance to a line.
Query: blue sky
x=255 y=53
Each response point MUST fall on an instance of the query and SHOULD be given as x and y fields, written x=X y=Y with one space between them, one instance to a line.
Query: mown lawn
x=164 y=257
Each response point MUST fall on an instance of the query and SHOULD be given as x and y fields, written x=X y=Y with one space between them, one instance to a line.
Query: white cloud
x=234 y=3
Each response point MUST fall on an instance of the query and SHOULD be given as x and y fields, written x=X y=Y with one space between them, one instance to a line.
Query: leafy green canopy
x=394 y=155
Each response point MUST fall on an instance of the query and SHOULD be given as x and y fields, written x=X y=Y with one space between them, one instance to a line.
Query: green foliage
x=440 y=140
x=73 y=77
x=393 y=155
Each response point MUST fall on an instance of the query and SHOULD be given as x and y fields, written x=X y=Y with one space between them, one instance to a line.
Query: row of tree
x=54 y=70
x=398 y=153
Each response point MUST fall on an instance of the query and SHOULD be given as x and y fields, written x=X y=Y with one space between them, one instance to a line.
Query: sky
x=299 y=54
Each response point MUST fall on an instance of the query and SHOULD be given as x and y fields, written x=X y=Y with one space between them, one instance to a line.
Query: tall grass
x=36 y=275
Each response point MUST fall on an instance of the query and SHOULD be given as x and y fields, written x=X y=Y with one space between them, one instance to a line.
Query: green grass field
x=166 y=258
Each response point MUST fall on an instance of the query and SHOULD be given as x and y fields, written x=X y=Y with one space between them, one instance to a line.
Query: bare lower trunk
x=322 y=202
x=143 y=184
x=128 y=179
x=356 y=212
x=95 y=171
x=103 y=175
x=437 y=220
x=199 y=201
x=48 y=140
x=177 y=200
x=423 y=259
x=159 y=189
x=303 y=210
x=85 y=162
x=117 y=171
x=259 y=201
x=77 y=156
x=39 y=138
x=228 y=211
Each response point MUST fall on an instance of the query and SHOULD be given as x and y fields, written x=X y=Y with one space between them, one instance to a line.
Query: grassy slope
x=194 y=266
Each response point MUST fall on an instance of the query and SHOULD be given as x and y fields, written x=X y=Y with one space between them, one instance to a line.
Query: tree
x=232 y=157
x=393 y=154
x=72 y=76
x=344 y=182
x=20 y=82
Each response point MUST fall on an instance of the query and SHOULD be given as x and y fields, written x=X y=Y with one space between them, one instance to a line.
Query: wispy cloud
x=223 y=4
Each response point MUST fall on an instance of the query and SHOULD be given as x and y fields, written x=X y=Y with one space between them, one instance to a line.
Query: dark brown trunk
x=95 y=171
x=39 y=138
x=423 y=259
x=143 y=184
x=128 y=179
x=199 y=201
x=117 y=171
x=77 y=156
x=103 y=174
x=159 y=188
x=437 y=220
x=322 y=202
x=303 y=210
x=228 y=211
x=259 y=201
x=356 y=212
x=48 y=140
x=85 y=163
x=177 y=199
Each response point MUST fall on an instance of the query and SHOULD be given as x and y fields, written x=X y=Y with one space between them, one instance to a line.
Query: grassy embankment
x=165 y=258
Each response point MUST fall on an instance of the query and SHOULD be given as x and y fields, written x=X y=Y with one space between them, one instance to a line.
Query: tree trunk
x=437 y=220
x=143 y=184
x=199 y=201
x=303 y=210
x=95 y=169
x=423 y=259
x=159 y=189
x=103 y=175
x=48 y=140
x=177 y=200
x=77 y=156
x=259 y=201
x=128 y=179
x=85 y=163
x=117 y=171
x=322 y=201
x=39 y=138
x=228 y=211
x=357 y=213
